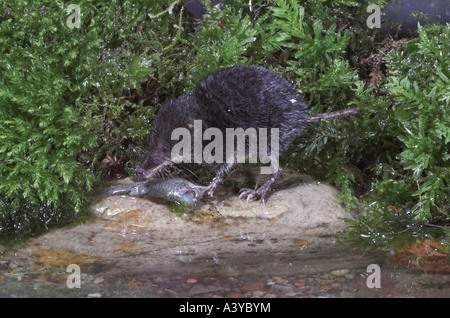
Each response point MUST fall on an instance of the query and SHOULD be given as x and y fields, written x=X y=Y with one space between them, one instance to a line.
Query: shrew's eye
x=165 y=149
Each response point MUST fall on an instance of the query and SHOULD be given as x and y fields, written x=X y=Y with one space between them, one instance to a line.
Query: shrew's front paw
x=200 y=191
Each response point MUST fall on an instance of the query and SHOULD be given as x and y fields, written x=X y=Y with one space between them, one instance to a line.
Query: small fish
x=176 y=190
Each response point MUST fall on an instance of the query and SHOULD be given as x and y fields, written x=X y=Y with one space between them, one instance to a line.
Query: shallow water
x=259 y=269
x=136 y=247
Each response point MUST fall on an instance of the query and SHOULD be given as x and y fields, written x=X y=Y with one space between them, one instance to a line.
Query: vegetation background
x=77 y=104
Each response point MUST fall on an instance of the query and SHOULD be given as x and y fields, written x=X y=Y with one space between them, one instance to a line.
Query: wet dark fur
x=240 y=96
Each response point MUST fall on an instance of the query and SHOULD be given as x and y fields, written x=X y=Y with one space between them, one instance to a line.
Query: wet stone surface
x=136 y=247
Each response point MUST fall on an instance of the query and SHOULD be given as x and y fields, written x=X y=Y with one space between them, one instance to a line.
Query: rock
x=199 y=289
x=252 y=286
x=141 y=239
x=191 y=281
x=234 y=294
x=282 y=289
x=294 y=205
x=12 y=265
x=340 y=272
x=258 y=294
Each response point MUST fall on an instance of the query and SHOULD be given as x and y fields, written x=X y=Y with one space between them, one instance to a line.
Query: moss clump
x=62 y=91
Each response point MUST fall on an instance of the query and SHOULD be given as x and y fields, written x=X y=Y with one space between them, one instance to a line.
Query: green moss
x=61 y=91
x=182 y=208
x=419 y=82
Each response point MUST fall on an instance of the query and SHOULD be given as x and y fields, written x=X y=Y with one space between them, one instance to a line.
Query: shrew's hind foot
x=261 y=192
x=258 y=194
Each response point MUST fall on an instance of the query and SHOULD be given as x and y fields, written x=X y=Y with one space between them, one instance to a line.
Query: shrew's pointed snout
x=150 y=166
x=141 y=172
